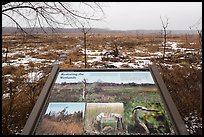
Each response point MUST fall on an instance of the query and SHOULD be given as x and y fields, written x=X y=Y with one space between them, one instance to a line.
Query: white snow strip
x=139 y=51
x=157 y=53
x=117 y=64
x=96 y=58
x=24 y=61
x=142 y=57
x=138 y=64
x=174 y=46
x=34 y=76
x=96 y=52
x=6 y=95
x=27 y=60
x=13 y=54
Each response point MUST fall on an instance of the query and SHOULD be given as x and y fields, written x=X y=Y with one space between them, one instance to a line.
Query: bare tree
x=85 y=31
x=84 y=91
x=164 y=25
x=51 y=14
x=116 y=52
x=7 y=51
x=199 y=31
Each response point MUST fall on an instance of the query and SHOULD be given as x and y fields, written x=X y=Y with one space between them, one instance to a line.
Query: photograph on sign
x=62 y=118
x=104 y=118
x=103 y=87
x=146 y=118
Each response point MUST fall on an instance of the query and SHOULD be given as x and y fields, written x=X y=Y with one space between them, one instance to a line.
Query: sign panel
x=124 y=102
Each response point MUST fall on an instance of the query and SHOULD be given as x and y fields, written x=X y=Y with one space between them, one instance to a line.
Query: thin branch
x=20 y=7
x=46 y=12
x=18 y=25
x=76 y=14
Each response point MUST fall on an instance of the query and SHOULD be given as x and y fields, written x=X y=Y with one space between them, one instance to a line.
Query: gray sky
x=143 y=15
x=146 y=15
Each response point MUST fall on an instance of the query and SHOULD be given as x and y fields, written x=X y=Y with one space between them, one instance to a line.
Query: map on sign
x=104 y=103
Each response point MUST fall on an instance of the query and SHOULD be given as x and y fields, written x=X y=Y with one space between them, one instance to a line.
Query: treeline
x=93 y=30
x=64 y=116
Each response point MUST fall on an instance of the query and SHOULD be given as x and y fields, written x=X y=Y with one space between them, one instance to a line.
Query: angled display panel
x=105 y=102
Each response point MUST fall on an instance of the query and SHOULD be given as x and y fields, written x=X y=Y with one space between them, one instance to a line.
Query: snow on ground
x=140 y=64
x=96 y=52
x=174 y=47
x=157 y=53
x=12 y=54
x=95 y=58
x=78 y=63
x=6 y=95
x=140 y=61
x=25 y=61
x=167 y=65
x=195 y=122
x=142 y=58
x=139 y=51
x=34 y=76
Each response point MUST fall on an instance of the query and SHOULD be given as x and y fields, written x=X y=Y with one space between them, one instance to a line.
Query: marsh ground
x=27 y=61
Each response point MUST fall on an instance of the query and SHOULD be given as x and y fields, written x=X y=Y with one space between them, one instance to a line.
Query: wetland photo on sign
x=104 y=118
x=104 y=87
x=62 y=118
x=147 y=118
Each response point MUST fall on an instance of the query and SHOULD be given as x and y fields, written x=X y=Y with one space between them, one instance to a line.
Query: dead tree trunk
x=85 y=48
x=85 y=31
x=6 y=59
x=116 y=50
x=200 y=37
x=84 y=89
x=164 y=35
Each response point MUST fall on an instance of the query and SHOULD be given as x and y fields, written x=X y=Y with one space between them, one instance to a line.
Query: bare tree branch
x=18 y=25
x=47 y=13
x=199 y=31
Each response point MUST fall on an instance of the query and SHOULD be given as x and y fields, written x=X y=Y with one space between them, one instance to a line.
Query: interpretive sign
x=106 y=102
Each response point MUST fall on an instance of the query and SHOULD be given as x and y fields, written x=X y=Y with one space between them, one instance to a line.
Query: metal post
x=31 y=122
x=171 y=107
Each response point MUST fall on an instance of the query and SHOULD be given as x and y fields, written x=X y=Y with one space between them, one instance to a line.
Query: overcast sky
x=145 y=15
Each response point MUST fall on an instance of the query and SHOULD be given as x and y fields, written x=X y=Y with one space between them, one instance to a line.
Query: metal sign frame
x=37 y=111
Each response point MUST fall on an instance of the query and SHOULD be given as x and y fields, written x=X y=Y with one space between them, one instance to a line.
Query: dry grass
x=49 y=127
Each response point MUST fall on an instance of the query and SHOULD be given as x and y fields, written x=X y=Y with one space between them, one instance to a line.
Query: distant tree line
x=63 y=116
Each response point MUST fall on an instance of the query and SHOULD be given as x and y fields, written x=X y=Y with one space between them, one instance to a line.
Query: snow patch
x=34 y=76
x=95 y=58
x=6 y=95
